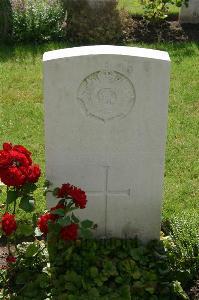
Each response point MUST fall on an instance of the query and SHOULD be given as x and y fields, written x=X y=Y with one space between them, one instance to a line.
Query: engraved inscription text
x=106 y=95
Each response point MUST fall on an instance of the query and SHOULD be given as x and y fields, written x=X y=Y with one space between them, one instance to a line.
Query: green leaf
x=55 y=191
x=29 y=188
x=54 y=228
x=94 y=272
x=34 y=219
x=126 y=292
x=60 y=212
x=70 y=286
x=150 y=290
x=136 y=254
x=31 y=250
x=27 y=203
x=85 y=233
x=71 y=297
x=44 y=280
x=93 y=293
x=179 y=291
x=22 y=278
x=119 y=279
x=74 y=218
x=25 y=229
x=109 y=268
x=87 y=224
x=64 y=221
x=11 y=196
x=136 y=274
x=47 y=184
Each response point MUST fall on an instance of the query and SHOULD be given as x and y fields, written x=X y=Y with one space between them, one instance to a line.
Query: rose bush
x=62 y=263
x=20 y=174
x=60 y=222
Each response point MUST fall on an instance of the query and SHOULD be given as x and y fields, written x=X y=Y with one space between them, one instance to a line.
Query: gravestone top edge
x=106 y=50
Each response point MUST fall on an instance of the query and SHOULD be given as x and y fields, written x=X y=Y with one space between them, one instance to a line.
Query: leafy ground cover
x=90 y=269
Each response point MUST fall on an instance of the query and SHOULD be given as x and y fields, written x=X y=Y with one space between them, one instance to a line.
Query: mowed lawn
x=135 y=7
x=22 y=118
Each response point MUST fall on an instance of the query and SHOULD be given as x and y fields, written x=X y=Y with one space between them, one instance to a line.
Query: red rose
x=7 y=146
x=43 y=222
x=33 y=173
x=78 y=195
x=23 y=150
x=16 y=166
x=8 y=223
x=13 y=176
x=69 y=233
x=10 y=259
x=19 y=159
x=64 y=191
x=58 y=206
x=5 y=159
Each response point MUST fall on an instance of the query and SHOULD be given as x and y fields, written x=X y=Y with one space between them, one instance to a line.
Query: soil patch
x=166 y=31
x=194 y=291
x=3 y=255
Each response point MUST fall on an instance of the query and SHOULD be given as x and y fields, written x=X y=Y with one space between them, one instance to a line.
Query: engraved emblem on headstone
x=106 y=95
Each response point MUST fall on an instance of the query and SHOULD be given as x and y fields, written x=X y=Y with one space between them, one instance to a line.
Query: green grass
x=22 y=120
x=135 y=7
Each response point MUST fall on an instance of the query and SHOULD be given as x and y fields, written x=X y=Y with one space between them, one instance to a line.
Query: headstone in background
x=96 y=22
x=105 y=123
x=190 y=13
x=95 y=3
x=5 y=20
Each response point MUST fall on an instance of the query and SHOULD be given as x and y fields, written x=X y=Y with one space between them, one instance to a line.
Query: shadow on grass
x=181 y=49
x=33 y=50
x=22 y=51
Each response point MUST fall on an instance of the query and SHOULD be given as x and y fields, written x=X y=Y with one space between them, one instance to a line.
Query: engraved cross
x=106 y=192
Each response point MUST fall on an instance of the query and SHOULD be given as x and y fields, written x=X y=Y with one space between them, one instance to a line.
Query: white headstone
x=105 y=122
x=190 y=14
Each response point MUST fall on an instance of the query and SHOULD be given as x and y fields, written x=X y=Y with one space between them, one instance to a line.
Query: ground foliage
x=83 y=24
x=169 y=30
x=91 y=269
x=37 y=20
x=157 y=10
x=182 y=245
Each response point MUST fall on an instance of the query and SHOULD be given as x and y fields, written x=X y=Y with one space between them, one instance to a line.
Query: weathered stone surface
x=190 y=14
x=96 y=22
